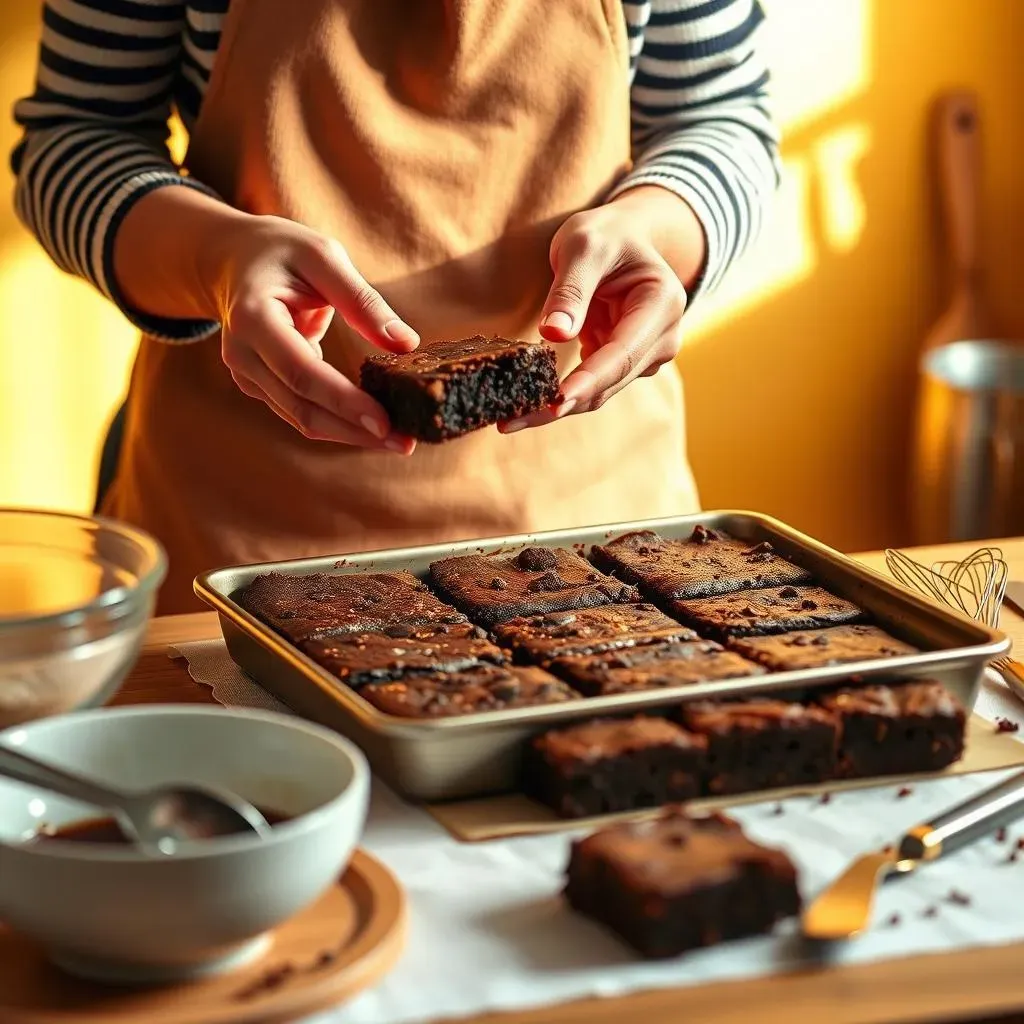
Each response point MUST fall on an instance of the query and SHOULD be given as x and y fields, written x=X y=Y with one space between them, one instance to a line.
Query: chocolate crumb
x=1019 y=845
x=959 y=898
x=536 y=559
x=789 y=592
x=1013 y=858
x=549 y=581
x=1001 y=836
x=701 y=535
x=1005 y=725
x=325 y=958
x=931 y=912
x=808 y=604
x=894 y=919
x=498 y=584
x=825 y=798
x=777 y=810
x=903 y=792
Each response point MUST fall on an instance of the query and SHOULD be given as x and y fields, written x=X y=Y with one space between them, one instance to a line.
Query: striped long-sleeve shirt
x=111 y=72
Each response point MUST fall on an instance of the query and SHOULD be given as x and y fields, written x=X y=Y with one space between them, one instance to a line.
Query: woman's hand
x=619 y=272
x=274 y=286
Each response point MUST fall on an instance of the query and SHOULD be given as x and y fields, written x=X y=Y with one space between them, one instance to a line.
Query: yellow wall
x=799 y=373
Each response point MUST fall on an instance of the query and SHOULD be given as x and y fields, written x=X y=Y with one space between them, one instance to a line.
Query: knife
x=1015 y=595
x=844 y=908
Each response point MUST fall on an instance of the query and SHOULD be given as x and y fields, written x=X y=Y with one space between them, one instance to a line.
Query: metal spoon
x=154 y=819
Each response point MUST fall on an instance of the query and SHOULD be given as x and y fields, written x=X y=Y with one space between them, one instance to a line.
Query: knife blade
x=1015 y=595
x=844 y=909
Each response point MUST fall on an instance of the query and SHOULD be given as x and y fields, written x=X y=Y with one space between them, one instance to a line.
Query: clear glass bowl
x=76 y=594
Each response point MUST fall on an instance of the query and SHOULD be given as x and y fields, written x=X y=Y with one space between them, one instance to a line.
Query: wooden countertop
x=978 y=985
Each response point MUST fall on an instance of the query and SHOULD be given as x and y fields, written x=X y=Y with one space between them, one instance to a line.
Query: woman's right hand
x=274 y=286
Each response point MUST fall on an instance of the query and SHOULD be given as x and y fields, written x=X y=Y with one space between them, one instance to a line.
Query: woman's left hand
x=616 y=291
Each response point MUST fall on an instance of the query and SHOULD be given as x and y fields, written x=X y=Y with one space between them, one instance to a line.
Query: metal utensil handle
x=971 y=820
x=22 y=768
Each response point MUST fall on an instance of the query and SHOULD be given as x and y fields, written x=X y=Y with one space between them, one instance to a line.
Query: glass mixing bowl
x=76 y=594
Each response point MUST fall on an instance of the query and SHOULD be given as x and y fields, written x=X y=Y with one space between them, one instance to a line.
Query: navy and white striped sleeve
x=700 y=121
x=95 y=132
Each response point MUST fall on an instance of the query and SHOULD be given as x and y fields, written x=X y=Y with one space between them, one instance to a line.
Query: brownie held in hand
x=492 y=589
x=603 y=766
x=893 y=730
x=653 y=667
x=540 y=638
x=677 y=883
x=763 y=612
x=706 y=564
x=322 y=604
x=360 y=658
x=469 y=692
x=449 y=388
x=819 y=647
x=763 y=744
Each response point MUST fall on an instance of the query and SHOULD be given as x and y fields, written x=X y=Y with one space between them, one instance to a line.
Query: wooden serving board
x=342 y=944
x=513 y=814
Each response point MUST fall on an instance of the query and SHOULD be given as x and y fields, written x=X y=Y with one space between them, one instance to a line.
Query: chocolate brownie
x=322 y=604
x=450 y=388
x=602 y=766
x=764 y=612
x=468 y=692
x=648 y=668
x=676 y=883
x=493 y=589
x=540 y=638
x=819 y=647
x=893 y=730
x=707 y=564
x=763 y=744
x=359 y=658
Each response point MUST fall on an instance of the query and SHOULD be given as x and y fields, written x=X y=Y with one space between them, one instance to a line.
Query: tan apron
x=442 y=142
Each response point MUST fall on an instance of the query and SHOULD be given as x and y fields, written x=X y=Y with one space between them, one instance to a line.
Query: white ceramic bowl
x=110 y=913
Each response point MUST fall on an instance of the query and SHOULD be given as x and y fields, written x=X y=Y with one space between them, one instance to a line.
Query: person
x=367 y=175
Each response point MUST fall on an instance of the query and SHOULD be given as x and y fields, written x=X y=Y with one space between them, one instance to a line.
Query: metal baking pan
x=474 y=755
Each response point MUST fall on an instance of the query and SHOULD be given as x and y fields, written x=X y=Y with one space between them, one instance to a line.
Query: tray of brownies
x=613 y=668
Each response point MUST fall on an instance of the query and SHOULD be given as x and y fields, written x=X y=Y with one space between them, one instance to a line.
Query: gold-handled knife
x=844 y=908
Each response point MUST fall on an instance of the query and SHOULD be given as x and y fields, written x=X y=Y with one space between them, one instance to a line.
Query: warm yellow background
x=799 y=374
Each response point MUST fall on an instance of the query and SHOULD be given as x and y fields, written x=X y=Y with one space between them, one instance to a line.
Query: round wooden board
x=342 y=944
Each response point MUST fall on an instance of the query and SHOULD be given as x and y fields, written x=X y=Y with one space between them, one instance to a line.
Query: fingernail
x=396 y=330
x=565 y=408
x=394 y=445
x=512 y=426
x=578 y=385
x=375 y=427
x=559 y=320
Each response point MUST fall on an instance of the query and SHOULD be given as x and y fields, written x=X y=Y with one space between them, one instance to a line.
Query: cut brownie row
x=678 y=882
x=720 y=749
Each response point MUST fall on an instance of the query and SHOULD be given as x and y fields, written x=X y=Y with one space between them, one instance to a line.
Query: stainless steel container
x=477 y=754
x=968 y=479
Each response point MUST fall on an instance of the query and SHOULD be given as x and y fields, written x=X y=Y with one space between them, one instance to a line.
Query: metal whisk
x=975 y=586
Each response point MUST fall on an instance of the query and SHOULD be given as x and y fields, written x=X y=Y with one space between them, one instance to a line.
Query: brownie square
x=763 y=744
x=707 y=564
x=492 y=589
x=467 y=692
x=449 y=388
x=649 y=668
x=820 y=647
x=604 y=766
x=540 y=638
x=898 y=729
x=764 y=612
x=301 y=607
x=678 y=883
x=360 y=658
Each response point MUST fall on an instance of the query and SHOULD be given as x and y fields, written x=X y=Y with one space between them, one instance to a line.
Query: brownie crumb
x=1005 y=725
x=894 y=919
x=498 y=583
x=904 y=791
x=930 y=912
x=1001 y=836
x=825 y=798
x=325 y=958
x=961 y=899
x=1014 y=857
x=269 y=981
x=777 y=810
x=1019 y=845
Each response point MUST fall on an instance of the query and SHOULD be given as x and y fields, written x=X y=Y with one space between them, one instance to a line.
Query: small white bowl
x=110 y=913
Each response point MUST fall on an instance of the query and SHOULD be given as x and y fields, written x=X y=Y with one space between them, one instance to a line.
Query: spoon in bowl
x=156 y=819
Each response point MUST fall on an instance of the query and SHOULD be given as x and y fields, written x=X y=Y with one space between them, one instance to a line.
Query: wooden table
x=977 y=985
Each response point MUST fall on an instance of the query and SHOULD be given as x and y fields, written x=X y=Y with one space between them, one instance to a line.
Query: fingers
x=270 y=360
x=581 y=260
x=326 y=267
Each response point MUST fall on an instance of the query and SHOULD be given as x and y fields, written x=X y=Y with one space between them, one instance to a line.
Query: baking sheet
x=473 y=755
x=513 y=814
